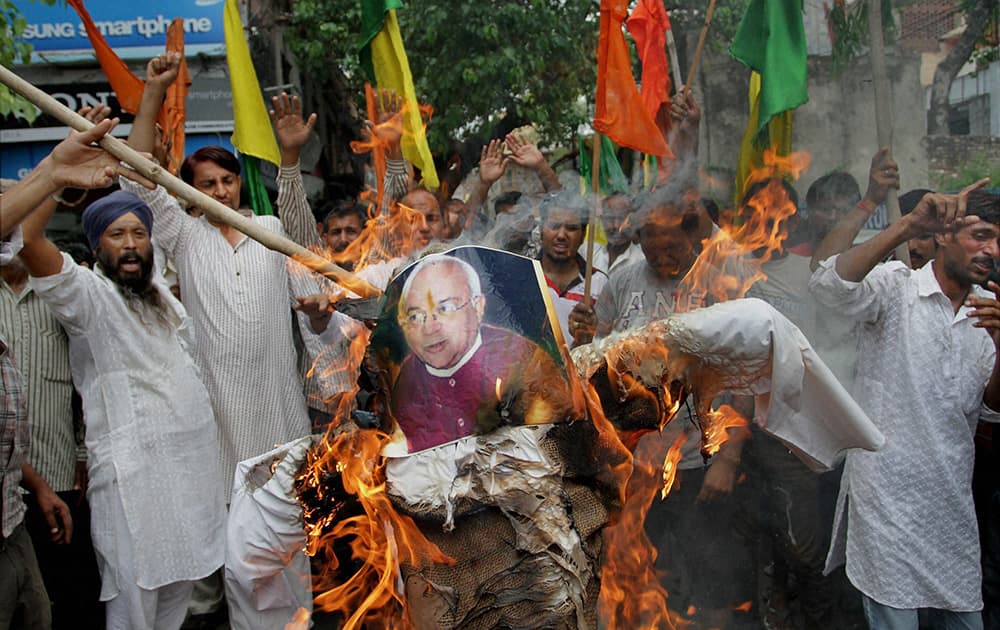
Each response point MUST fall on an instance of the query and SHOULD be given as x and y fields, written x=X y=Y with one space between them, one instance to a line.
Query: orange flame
x=300 y=620
x=715 y=428
x=380 y=538
x=730 y=260
x=670 y=465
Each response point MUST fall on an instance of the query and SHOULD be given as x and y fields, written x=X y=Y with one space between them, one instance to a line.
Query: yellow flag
x=392 y=71
x=252 y=134
x=751 y=156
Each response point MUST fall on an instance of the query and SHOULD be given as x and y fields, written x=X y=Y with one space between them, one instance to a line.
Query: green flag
x=612 y=177
x=771 y=40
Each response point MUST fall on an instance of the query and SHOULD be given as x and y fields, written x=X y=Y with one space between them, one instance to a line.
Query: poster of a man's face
x=466 y=343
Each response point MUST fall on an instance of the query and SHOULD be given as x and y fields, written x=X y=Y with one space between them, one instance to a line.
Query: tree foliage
x=14 y=49
x=477 y=61
x=473 y=62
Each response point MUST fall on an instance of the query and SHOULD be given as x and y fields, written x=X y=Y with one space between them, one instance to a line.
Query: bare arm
x=685 y=117
x=527 y=155
x=161 y=72
x=883 y=174
x=74 y=162
x=55 y=511
x=492 y=166
x=935 y=213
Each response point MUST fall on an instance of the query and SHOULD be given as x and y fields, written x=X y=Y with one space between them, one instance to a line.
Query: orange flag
x=174 y=113
x=648 y=26
x=620 y=113
x=128 y=87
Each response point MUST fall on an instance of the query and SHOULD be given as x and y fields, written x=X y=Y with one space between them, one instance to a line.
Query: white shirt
x=911 y=535
x=632 y=254
x=238 y=298
x=151 y=437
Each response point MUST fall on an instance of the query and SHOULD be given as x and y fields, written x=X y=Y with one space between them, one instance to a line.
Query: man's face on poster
x=439 y=315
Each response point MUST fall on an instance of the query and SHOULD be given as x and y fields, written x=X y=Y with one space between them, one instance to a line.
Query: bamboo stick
x=212 y=207
x=883 y=110
x=701 y=44
x=595 y=187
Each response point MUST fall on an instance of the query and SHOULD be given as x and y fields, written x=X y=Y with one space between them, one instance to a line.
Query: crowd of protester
x=136 y=381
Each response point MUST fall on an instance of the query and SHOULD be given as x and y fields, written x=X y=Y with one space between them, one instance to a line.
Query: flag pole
x=595 y=187
x=701 y=44
x=212 y=207
x=883 y=110
x=675 y=64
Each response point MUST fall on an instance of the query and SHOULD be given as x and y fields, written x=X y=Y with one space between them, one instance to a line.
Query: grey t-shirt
x=635 y=296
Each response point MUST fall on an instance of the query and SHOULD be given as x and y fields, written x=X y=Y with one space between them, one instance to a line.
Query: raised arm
x=492 y=165
x=161 y=72
x=935 y=213
x=527 y=155
x=75 y=162
x=882 y=175
x=293 y=206
x=685 y=116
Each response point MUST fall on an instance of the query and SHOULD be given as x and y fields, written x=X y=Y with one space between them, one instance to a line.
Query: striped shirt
x=238 y=299
x=325 y=364
x=14 y=439
x=41 y=350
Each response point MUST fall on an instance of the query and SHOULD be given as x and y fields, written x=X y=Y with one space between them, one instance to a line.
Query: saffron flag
x=252 y=133
x=648 y=24
x=384 y=59
x=771 y=41
x=127 y=87
x=619 y=110
x=173 y=113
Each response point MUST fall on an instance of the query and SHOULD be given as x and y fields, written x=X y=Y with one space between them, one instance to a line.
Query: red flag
x=174 y=113
x=648 y=25
x=620 y=113
x=128 y=87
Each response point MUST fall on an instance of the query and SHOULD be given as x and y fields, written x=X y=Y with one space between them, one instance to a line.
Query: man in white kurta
x=154 y=490
x=923 y=367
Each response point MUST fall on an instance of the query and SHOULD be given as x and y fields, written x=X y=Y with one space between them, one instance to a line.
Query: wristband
x=868 y=206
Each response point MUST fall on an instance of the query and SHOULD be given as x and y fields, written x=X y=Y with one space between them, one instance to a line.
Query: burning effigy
x=490 y=480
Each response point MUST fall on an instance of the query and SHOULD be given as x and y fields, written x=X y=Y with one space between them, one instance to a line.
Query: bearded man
x=155 y=487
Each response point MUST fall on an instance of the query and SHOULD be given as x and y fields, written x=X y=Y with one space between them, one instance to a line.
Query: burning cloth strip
x=519 y=510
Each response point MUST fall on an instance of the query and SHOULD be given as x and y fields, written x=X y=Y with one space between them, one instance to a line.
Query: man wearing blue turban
x=155 y=491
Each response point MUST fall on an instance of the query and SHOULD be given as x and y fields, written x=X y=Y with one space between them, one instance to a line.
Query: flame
x=380 y=539
x=715 y=427
x=300 y=620
x=730 y=260
x=670 y=463
x=367 y=591
x=499 y=383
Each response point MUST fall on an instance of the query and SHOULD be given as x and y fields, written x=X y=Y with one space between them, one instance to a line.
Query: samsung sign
x=133 y=30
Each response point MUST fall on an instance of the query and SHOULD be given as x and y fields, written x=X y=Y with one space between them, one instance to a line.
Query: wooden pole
x=883 y=109
x=595 y=187
x=701 y=44
x=213 y=208
x=675 y=63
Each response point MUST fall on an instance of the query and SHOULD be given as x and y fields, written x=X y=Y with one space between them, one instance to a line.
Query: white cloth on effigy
x=747 y=347
x=267 y=572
